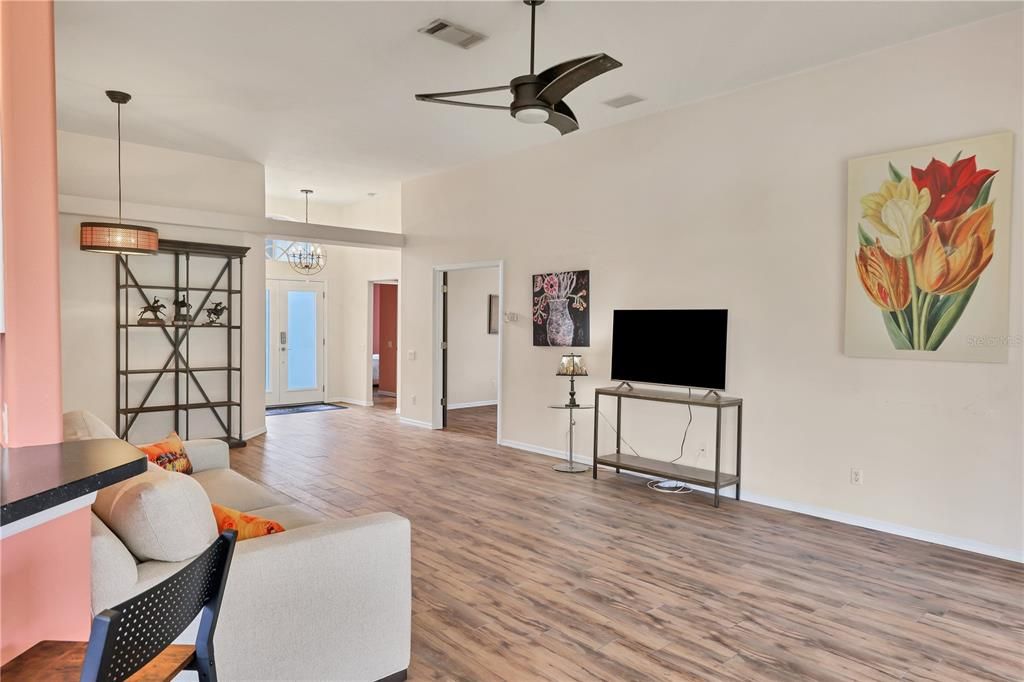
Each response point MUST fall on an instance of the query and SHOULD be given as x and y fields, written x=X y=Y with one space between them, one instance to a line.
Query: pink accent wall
x=45 y=572
x=45 y=584
x=28 y=136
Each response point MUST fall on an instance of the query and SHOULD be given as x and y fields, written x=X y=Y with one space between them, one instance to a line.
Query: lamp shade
x=571 y=366
x=119 y=238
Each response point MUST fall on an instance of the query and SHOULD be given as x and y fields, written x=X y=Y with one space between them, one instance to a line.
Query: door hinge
x=444 y=401
x=444 y=289
x=444 y=345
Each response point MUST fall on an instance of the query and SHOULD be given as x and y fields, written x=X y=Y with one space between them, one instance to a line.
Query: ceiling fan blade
x=562 y=119
x=561 y=79
x=442 y=97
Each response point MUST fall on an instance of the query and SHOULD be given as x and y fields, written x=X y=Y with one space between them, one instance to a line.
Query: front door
x=294 y=361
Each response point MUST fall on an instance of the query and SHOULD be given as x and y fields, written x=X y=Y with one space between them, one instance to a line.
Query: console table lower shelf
x=675 y=472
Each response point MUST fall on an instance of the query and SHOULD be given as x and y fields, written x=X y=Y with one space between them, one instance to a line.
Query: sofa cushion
x=246 y=525
x=159 y=515
x=114 y=572
x=84 y=425
x=230 y=489
x=289 y=515
x=169 y=454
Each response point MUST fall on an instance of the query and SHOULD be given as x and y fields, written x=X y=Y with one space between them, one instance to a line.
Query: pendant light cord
x=119 y=163
x=307 y=208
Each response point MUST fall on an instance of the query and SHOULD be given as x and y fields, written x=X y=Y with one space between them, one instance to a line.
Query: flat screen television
x=672 y=347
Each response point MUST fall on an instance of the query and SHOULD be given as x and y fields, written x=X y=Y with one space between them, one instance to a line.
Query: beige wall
x=87 y=332
x=155 y=180
x=157 y=176
x=347 y=275
x=472 y=352
x=739 y=202
x=382 y=212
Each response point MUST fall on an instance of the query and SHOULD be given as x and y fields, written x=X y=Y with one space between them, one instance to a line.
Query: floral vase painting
x=928 y=252
x=561 y=308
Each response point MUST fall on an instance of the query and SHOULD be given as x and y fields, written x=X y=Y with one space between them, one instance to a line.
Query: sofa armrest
x=339 y=596
x=207 y=453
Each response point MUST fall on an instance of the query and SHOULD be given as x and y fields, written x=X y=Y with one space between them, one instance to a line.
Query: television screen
x=673 y=347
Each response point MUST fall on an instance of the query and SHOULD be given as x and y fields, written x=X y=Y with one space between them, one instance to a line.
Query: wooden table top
x=62 y=662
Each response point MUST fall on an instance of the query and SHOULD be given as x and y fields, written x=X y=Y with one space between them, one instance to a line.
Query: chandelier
x=306 y=258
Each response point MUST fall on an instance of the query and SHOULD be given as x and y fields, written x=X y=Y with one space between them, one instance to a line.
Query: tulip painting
x=928 y=244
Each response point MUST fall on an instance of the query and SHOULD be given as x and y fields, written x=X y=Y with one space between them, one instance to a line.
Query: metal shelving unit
x=228 y=411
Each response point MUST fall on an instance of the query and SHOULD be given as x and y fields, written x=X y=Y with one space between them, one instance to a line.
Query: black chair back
x=128 y=636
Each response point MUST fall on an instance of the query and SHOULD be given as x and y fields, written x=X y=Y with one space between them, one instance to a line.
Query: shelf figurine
x=157 y=309
x=181 y=308
x=214 y=313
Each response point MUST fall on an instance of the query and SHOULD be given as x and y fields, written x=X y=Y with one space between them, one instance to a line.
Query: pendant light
x=307 y=259
x=119 y=238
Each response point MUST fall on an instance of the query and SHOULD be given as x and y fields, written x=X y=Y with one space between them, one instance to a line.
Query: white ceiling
x=321 y=93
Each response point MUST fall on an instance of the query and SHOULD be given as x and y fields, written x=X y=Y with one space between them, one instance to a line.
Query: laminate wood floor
x=521 y=573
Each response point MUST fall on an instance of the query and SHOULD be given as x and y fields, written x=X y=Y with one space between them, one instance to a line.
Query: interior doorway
x=294 y=342
x=384 y=343
x=467 y=364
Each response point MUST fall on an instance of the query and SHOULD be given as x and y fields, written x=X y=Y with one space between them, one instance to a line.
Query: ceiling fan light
x=532 y=115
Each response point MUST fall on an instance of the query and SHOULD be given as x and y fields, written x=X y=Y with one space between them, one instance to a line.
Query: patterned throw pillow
x=169 y=454
x=247 y=525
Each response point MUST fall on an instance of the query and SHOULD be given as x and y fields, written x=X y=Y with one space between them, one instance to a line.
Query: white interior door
x=294 y=342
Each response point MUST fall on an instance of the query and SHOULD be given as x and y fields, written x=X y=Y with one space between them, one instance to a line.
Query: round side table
x=571 y=467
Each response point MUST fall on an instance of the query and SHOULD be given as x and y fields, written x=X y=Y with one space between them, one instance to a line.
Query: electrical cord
x=689 y=408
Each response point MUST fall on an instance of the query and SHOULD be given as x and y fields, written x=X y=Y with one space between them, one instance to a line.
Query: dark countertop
x=36 y=478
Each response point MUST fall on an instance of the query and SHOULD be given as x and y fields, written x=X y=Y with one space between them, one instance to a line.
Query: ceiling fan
x=538 y=97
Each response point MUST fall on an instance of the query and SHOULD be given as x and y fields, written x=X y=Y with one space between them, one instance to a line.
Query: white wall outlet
x=412 y=355
x=511 y=317
x=856 y=476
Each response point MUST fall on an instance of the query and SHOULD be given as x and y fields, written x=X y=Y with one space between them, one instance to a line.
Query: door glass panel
x=302 y=335
x=269 y=348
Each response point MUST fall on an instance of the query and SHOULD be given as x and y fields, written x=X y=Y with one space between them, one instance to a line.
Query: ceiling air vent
x=444 y=30
x=624 y=101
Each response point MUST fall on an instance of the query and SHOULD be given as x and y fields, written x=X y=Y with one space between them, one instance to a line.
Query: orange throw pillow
x=247 y=525
x=169 y=454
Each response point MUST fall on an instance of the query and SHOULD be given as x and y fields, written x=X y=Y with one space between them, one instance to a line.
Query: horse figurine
x=213 y=314
x=156 y=307
x=181 y=309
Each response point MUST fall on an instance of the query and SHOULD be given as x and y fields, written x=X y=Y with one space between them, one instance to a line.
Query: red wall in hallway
x=388 y=320
x=376 y=318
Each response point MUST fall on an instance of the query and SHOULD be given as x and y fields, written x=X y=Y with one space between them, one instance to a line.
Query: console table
x=716 y=478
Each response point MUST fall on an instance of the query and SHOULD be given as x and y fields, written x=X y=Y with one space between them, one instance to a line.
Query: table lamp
x=571 y=366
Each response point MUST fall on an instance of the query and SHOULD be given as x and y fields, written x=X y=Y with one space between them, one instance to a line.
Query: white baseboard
x=415 y=422
x=255 y=432
x=823 y=513
x=536 y=449
x=478 y=403
x=351 y=401
x=965 y=544
x=390 y=394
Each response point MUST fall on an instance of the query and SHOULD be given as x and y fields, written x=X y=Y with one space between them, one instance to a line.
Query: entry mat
x=296 y=409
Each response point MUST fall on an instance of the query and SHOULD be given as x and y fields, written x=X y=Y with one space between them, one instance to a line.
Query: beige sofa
x=325 y=600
